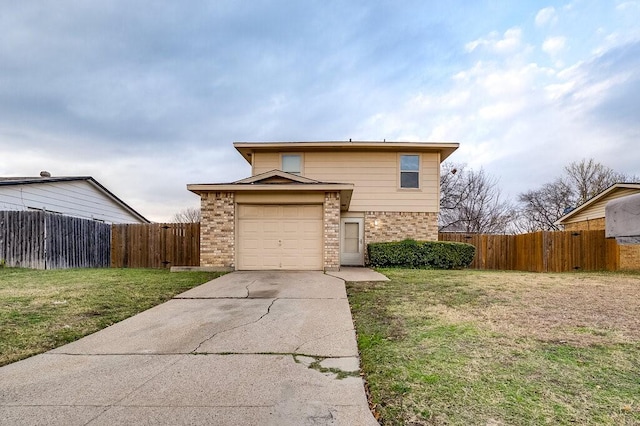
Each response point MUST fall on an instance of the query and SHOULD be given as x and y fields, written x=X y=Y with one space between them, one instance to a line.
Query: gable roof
x=610 y=192
x=274 y=176
x=6 y=181
x=277 y=180
x=445 y=149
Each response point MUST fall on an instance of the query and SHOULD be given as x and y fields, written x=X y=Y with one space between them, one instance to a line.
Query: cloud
x=608 y=89
x=628 y=5
x=546 y=16
x=148 y=96
x=523 y=122
x=510 y=42
x=554 y=45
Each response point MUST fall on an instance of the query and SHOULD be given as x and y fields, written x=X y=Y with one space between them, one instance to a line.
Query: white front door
x=352 y=241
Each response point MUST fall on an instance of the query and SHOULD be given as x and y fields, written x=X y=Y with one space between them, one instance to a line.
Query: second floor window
x=292 y=163
x=409 y=171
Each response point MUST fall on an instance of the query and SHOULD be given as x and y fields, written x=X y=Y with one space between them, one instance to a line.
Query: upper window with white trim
x=292 y=163
x=410 y=171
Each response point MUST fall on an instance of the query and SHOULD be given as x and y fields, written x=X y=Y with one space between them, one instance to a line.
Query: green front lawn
x=500 y=348
x=41 y=310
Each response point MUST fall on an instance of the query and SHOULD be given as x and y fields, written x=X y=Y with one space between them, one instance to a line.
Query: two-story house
x=315 y=205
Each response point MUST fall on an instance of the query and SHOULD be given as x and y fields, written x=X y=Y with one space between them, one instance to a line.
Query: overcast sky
x=148 y=96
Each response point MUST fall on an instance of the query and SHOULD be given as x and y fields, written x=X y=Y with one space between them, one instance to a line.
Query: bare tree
x=582 y=180
x=188 y=215
x=470 y=201
x=588 y=178
x=543 y=206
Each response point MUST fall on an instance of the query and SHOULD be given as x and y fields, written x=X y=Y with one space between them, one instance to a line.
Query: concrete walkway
x=358 y=273
x=249 y=348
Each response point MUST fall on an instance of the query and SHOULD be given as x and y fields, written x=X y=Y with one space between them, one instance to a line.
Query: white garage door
x=285 y=237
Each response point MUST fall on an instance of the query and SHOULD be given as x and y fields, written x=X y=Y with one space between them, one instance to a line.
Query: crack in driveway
x=235 y=327
x=322 y=337
x=247 y=288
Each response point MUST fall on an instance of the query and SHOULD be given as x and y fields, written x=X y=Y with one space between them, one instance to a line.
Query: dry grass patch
x=581 y=309
x=41 y=310
x=476 y=347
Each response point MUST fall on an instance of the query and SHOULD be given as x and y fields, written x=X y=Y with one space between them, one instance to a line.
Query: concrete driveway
x=249 y=348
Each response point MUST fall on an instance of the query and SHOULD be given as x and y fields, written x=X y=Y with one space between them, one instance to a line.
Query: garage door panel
x=301 y=263
x=308 y=245
x=311 y=227
x=312 y=212
x=249 y=212
x=280 y=237
x=271 y=245
x=269 y=226
x=291 y=212
x=270 y=261
x=291 y=226
x=288 y=244
x=272 y=212
x=252 y=244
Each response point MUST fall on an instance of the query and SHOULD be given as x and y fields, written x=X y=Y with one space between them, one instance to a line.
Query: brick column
x=331 y=231
x=217 y=230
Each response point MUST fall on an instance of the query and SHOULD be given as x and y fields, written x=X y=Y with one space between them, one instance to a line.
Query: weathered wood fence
x=41 y=240
x=543 y=251
x=155 y=245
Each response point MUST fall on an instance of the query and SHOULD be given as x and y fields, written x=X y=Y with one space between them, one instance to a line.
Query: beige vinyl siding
x=596 y=210
x=374 y=174
x=265 y=162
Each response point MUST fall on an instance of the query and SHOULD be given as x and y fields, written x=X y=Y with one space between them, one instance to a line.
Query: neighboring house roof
x=444 y=148
x=277 y=180
x=8 y=181
x=594 y=208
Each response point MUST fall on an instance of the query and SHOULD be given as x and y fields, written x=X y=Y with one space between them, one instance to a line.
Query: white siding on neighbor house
x=374 y=174
x=596 y=210
x=71 y=198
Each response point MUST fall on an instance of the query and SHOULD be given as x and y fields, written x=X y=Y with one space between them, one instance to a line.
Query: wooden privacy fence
x=41 y=240
x=544 y=251
x=155 y=245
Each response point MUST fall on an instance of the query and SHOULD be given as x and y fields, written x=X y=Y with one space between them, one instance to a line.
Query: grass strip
x=41 y=310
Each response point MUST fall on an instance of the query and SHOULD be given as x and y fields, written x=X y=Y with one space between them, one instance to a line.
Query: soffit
x=246 y=149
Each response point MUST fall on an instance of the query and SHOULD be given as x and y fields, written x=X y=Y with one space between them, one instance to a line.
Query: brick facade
x=397 y=226
x=217 y=229
x=331 y=225
x=585 y=225
x=217 y=233
x=629 y=257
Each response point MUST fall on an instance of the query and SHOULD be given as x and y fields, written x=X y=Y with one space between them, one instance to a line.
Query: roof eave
x=246 y=149
x=33 y=180
x=117 y=200
x=345 y=189
x=594 y=199
x=231 y=187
